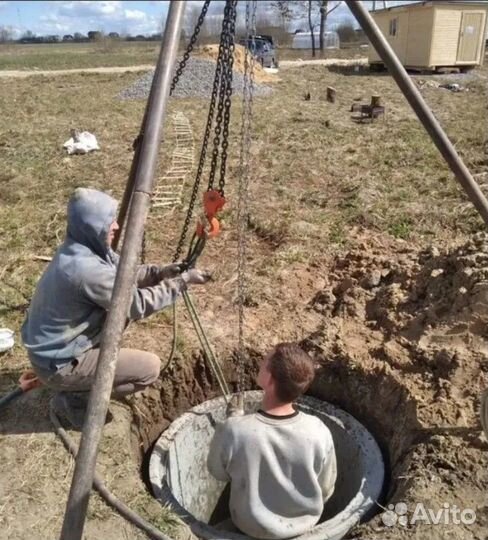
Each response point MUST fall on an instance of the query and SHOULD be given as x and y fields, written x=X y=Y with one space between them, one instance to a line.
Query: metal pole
x=129 y=187
x=83 y=475
x=422 y=110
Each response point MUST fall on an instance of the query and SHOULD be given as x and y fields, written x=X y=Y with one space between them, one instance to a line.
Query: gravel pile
x=196 y=81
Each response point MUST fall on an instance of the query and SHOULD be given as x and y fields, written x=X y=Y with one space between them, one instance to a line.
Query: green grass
x=310 y=184
x=401 y=228
x=77 y=55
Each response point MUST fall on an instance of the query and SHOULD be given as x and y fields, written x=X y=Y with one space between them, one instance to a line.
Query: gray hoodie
x=71 y=300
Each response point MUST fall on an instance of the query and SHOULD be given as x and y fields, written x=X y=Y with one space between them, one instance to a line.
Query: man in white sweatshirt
x=281 y=463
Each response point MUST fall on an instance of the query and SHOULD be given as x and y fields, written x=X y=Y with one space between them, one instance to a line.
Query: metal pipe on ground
x=5 y=400
x=420 y=107
x=83 y=475
x=107 y=495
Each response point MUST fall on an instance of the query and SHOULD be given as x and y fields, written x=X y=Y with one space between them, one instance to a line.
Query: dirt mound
x=428 y=295
x=210 y=52
x=403 y=347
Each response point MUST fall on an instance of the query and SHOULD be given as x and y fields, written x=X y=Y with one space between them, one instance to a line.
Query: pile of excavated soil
x=400 y=342
x=211 y=52
x=403 y=347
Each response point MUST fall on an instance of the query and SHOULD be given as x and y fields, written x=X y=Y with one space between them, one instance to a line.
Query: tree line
x=282 y=19
x=7 y=36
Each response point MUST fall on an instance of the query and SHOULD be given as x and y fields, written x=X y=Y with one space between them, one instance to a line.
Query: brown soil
x=110 y=69
x=399 y=342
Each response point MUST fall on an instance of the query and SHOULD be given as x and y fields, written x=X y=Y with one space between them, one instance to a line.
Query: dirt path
x=113 y=69
x=144 y=67
x=325 y=62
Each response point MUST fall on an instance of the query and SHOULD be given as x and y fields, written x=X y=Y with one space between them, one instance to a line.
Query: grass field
x=77 y=55
x=314 y=168
x=317 y=176
x=108 y=53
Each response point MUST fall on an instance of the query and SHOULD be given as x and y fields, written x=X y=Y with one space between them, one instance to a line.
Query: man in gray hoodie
x=64 y=323
x=280 y=462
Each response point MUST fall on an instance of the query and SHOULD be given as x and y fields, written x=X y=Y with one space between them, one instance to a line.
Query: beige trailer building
x=435 y=34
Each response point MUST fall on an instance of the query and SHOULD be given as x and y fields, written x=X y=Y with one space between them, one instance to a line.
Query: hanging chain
x=227 y=103
x=179 y=70
x=224 y=105
x=189 y=49
x=243 y=187
x=229 y=13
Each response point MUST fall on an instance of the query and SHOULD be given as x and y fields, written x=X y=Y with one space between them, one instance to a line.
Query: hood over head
x=90 y=214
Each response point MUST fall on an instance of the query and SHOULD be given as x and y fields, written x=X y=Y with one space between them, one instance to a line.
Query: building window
x=393 y=26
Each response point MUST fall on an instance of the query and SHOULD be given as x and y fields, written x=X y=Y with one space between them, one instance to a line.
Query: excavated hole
x=375 y=398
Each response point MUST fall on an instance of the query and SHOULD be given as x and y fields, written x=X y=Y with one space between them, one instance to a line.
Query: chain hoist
x=221 y=99
x=243 y=184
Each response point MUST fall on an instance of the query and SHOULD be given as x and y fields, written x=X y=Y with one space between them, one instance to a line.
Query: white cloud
x=135 y=15
x=108 y=16
x=86 y=8
x=15 y=31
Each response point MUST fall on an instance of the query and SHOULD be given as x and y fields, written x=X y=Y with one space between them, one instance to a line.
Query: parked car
x=262 y=48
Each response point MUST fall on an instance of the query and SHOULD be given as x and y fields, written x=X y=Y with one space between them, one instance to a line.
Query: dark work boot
x=71 y=406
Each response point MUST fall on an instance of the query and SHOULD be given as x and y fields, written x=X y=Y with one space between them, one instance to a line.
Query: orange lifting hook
x=213 y=202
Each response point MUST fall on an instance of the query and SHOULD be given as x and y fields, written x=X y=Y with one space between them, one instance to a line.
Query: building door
x=469 y=38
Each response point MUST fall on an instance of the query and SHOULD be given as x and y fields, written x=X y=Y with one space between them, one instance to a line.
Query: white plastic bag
x=81 y=143
x=6 y=339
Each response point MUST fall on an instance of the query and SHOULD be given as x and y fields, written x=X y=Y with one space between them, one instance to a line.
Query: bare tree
x=210 y=29
x=6 y=34
x=192 y=12
x=346 y=31
x=284 y=10
x=263 y=20
x=311 y=25
x=317 y=12
x=324 y=4
x=325 y=9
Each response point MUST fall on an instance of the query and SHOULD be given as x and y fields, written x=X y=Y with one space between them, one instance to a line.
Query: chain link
x=228 y=102
x=243 y=186
x=224 y=105
x=189 y=48
x=218 y=93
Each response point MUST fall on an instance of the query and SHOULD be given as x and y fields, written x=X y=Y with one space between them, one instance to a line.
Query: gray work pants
x=134 y=371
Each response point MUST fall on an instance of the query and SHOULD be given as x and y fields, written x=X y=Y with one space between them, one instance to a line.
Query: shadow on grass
x=358 y=70
x=25 y=413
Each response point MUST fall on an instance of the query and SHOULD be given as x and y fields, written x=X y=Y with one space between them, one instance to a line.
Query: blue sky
x=60 y=17
x=143 y=17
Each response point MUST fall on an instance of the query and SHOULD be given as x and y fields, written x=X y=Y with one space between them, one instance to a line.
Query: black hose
x=10 y=397
x=102 y=489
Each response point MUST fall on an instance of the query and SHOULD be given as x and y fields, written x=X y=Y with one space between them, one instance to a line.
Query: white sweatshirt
x=281 y=469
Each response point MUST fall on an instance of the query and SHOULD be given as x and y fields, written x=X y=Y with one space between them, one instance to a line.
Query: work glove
x=170 y=271
x=235 y=406
x=196 y=277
